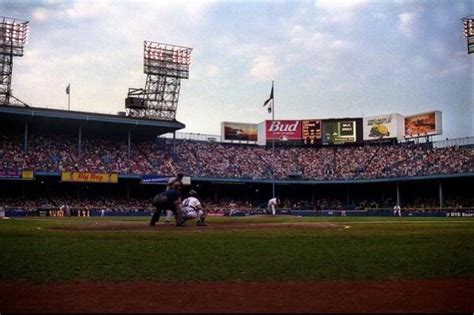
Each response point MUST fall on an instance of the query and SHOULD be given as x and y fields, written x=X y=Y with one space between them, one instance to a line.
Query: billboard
x=231 y=131
x=311 y=131
x=89 y=177
x=383 y=127
x=425 y=124
x=6 y=173
x=283 y=131
x=339 y=131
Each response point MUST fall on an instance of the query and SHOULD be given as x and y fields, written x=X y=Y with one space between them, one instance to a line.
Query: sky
x=328 y=58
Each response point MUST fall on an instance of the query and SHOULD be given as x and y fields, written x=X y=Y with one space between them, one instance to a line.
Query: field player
x=168 y=200
x=193 y=209
x=272 y=204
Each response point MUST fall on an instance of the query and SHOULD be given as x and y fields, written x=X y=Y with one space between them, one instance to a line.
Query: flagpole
x=69 y=100
x=273 y=144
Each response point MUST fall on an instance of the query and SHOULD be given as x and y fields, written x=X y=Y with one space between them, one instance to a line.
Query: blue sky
x=328 y=58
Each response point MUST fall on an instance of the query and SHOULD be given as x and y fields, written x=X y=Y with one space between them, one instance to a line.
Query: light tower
x=468 y=22
x=13 y=37
x=165 y=65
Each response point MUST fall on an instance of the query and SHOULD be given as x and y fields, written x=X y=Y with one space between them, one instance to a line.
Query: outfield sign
x=232 y=131
x=82 y=177
x=162 y=180
x=6 y=173
x=340 y=131
x=388 y=126
x=311 y=132
x=283 y=131
x=425 y=124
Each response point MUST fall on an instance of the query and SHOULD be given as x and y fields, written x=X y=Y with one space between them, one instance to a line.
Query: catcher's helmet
x=192 y=193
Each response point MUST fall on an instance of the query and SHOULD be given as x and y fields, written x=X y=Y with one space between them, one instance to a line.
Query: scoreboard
x=311 y=132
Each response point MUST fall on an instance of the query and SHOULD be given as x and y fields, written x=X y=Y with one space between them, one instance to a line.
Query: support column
x=128 y=190
x=348 y=196
x=174 y=145
x=79 y=142
x=398 y=195
x=25 y=141
x=441 y=195
x=129 y=145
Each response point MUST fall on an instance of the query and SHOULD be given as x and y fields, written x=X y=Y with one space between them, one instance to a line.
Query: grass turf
x=371 y=249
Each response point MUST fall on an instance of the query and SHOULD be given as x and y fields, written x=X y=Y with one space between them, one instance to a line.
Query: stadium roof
x=14 y=117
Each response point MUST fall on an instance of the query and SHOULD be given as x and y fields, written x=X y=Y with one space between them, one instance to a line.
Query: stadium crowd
x=55 y=153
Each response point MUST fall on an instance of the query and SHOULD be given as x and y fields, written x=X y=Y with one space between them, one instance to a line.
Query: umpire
x=168 y=200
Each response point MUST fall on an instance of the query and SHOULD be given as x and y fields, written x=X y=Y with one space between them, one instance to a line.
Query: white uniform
x=272 y=203
x=397 y=211
x=192 y=209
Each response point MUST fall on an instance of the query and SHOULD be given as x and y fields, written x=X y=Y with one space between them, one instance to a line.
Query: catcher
x=193 y=209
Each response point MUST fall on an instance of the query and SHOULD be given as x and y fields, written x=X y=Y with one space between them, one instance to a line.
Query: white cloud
x=40 y=14
x=406 y=23
x=86 y=9
x=213 y=71
x=340 y=4
x=264 y=68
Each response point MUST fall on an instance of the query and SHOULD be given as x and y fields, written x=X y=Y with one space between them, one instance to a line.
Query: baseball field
x=238 y=264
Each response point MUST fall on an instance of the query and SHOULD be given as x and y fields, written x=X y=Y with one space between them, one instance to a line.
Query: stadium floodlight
x=13 y=38
x=468 y=23
x=165 y=65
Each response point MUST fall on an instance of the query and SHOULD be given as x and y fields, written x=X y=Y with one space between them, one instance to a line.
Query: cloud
x=340 y=4
x=40 y=14
x=213 y=71
x=406 y=22
x=264 y=68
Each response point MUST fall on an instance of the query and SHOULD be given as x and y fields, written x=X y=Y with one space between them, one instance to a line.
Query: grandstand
x=39 y=147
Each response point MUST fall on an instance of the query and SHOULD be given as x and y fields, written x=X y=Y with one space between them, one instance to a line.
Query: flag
x=269 y=99
x=68 y=88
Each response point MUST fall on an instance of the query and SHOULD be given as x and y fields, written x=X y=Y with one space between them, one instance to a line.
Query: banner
x=339 y=131
x=239 y=131
x=311 y=132
x=10 y=173
x=383 y=127
x=6 y=173
x=425 y=124
x=89 y=177
x=283 y=131
x=163 y=180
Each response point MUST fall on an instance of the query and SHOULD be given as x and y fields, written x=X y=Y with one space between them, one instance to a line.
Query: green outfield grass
x=372 y=248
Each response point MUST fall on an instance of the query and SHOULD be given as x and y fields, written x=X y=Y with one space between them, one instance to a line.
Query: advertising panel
x=162 y=180
x=283 y=131
x=6 y=173
x=89 y=177
x=383 y=127
x=425 y=124
x=10 y=173
x=231 y=131
x=311 y=131
x=339 y=131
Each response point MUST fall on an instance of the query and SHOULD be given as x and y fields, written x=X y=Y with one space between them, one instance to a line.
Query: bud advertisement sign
x=239 y=131
x=283 y=131
x=425 y=124
x=383 y=127
x=339 y=131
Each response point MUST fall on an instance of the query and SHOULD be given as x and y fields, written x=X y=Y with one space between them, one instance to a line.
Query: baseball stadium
x=128 y=213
